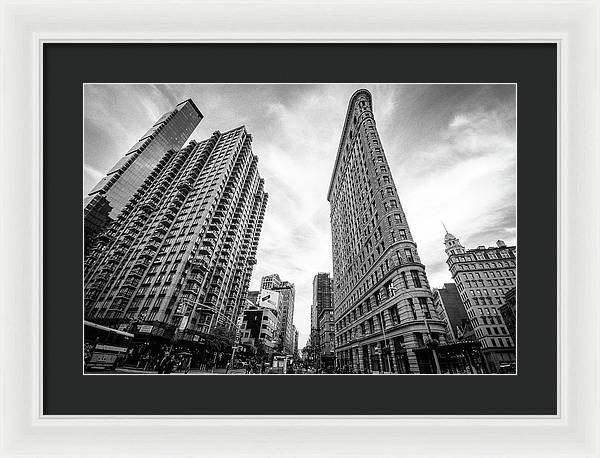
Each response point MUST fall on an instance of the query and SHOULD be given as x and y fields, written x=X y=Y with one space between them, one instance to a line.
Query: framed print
x=305 y=235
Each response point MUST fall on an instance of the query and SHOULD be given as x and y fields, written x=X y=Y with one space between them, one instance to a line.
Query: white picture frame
x=573 y=25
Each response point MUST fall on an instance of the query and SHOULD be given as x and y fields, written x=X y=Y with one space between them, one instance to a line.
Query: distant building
x=448 y=300
x=296 y=354
x=258 y=332
x=321 y=318
x=483 y=276
x=287 y=296
x=509 y=313
x=253 y=297
x=327 y=339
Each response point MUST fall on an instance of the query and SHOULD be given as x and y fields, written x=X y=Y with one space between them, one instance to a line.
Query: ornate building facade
x=384 y=316
x=483 y=276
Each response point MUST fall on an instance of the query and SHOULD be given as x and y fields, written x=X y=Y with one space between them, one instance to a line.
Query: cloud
x=451 y=149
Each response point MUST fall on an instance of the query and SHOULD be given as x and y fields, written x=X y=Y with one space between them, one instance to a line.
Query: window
x=416 y=279
x=409 y=255
x=390 y=289
x=412 y=308
x=404 y=279
x=425 y=307
x=393 y=311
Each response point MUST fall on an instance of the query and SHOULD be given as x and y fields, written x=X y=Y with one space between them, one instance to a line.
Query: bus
x=104 y=347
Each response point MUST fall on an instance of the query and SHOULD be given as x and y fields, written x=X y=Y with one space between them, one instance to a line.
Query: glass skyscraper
x=108 y=198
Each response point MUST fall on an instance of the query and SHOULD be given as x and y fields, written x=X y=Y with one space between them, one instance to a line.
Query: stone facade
x=483 y=276
x=383 y=307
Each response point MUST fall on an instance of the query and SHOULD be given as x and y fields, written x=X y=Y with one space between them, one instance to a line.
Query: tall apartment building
x=322 y=300
x=287 y=297
x=483 y=276
x=110 y=196
x=383 y=307
x=179 y=257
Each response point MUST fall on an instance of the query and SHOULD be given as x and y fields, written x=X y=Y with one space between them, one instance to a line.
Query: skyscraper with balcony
x=177 y=261
x=383 y=309
x=483 y=276
x=108 y=198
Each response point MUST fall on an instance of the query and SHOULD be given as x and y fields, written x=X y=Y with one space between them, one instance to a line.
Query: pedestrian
x=169 y=365
x=162 y=365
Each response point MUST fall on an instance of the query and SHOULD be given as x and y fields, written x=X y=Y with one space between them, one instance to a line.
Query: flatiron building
x=382 y=304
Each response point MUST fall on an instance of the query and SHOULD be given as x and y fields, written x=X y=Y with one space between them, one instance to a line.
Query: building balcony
x=156 y=236
x=144 y=262
x=147 y=254
x=191 y=288
x=197 y=279
x=125 y=293
x=103 y=275
x=152 y=245
x=136 y=273
x=113 y=260
x=104 y=238
x=131 y=282
x=148 y=207
x=185 y=185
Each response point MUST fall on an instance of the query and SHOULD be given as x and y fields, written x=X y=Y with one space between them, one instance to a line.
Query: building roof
x=194 y=106
x=343 y=136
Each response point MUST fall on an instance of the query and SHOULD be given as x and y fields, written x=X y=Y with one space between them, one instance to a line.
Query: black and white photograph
x=299 y=229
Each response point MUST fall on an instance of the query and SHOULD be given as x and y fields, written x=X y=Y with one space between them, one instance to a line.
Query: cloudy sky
x=451 y=149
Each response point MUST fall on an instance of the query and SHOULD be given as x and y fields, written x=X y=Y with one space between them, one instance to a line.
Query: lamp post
x=214 y=310
x=384 y=350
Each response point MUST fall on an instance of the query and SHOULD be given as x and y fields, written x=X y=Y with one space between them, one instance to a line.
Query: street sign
x=145 y=328
x=184 y=322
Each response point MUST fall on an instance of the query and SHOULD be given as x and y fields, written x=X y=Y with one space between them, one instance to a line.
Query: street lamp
x=433 y=350
x=215 y=310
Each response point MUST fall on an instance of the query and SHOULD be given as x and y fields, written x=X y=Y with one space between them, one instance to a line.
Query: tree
x=220 y=340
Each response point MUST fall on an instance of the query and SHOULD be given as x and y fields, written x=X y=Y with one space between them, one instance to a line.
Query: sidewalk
x=133 y=370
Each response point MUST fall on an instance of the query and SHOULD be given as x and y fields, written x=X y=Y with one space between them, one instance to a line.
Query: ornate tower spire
x=452 y=243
